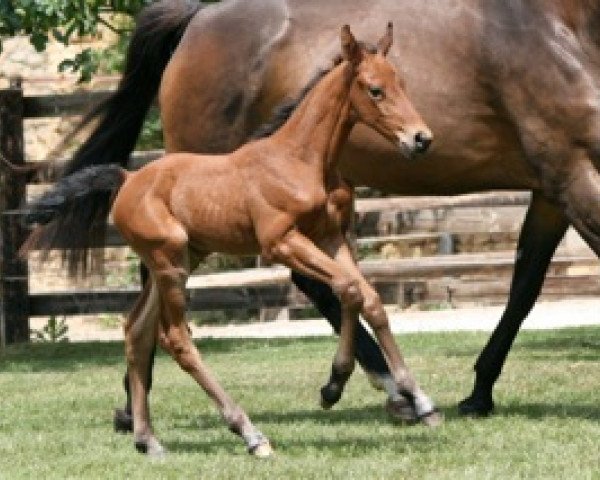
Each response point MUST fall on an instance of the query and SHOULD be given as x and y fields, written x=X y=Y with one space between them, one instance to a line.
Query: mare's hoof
x=401 y=410
x=476 y=407
x=262 y=450
x=152 y=448
x=330 y=395
x=122 y=421
x=435 y=418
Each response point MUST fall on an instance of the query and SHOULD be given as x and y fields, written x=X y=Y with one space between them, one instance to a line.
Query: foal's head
x=377 y=94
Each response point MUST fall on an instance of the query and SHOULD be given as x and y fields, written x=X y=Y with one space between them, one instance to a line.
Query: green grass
x=56 y=405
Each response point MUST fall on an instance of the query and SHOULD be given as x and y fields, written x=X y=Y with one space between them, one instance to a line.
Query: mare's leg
x=543 y=229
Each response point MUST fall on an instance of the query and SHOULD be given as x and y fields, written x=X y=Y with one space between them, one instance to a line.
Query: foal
x=281 y=196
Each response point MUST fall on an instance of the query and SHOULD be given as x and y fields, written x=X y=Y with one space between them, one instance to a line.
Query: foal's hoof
x=330 y=395
x=401 y=410
x=152 y=448
x=432 y=419
x=262 y=450
x=122 y=421
x=476 y=406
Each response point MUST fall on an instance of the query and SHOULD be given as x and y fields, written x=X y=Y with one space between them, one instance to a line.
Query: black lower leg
x=542 y=231
x=368 y=354
x=332 y=391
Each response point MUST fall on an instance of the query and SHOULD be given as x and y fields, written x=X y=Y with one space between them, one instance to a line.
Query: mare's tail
x=159 y=29
x=61 y=221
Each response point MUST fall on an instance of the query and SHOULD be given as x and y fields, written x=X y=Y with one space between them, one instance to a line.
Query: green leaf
x=39 y=41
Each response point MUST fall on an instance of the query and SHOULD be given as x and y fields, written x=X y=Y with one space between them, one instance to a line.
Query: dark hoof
x=123 y=421
x=401 y=410
x=330 y=395
x=476 y=407
x=152 y=448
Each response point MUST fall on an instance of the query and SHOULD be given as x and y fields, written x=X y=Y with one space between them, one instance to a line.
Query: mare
x=281 y=196
x=510 y=88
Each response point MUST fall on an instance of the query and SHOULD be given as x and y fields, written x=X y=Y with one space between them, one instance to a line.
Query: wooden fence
x=426 y=226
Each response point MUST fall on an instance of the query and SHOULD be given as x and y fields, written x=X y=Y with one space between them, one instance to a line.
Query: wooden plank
x=476 y=200
x=453 y=265
x=111 y=301
x=37 y=106
x=14 y=283
x=14 y=326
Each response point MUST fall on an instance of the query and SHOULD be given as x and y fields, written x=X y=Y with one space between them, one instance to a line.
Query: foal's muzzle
x=422 y=141
x=414 y=141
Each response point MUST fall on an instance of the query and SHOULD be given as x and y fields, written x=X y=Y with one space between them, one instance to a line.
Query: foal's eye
x=376 y=93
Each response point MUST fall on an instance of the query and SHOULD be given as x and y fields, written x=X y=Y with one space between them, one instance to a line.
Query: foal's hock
x=281 y=196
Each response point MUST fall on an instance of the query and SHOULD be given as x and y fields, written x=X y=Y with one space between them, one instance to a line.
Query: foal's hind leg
x=169 y=267
x=123 y=420
x=140 y=338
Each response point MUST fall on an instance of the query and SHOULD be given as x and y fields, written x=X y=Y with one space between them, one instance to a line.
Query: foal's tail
x=159 y=28
x=62 y=223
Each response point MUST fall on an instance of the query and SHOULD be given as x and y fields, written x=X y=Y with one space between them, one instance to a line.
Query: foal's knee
x=374 y=312
x=348 y=291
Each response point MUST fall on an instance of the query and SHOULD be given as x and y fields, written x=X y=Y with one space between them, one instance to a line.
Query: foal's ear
x=384 y=44
x=351 y=50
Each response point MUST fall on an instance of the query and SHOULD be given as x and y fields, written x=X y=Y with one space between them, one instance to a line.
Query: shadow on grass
x=417 y=438
x=56 y=357
x=571 y=344
x=542 y=411
x=341 y=446
x=67 y=357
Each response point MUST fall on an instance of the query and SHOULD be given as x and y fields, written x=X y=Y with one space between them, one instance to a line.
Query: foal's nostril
x=422 y=141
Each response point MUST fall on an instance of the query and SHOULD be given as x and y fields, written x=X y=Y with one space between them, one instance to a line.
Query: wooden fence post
x=13 y=271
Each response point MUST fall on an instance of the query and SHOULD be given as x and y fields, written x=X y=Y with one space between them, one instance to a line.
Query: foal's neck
x=321 y=123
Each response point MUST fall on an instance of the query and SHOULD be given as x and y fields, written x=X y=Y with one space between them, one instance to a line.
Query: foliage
x=58 y=399
x=67 y=20
x=54 y=331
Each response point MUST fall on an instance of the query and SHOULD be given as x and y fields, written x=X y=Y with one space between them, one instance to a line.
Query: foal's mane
x=283 y=111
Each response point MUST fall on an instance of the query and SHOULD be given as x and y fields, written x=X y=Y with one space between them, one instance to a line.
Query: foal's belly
x=212 y=209
x=217 y=233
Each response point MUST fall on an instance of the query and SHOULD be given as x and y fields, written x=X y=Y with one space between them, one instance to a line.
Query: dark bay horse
x=282 y=196
x=510 y=88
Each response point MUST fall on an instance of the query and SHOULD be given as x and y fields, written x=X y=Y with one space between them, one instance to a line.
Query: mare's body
x=511 y=90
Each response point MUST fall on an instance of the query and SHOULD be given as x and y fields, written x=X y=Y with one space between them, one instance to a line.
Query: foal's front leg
x=376 y=316
x=300 y=254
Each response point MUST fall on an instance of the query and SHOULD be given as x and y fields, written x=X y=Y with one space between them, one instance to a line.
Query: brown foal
x=281 y=196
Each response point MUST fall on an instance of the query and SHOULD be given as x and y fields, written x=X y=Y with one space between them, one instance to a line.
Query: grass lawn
x=56 y=405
